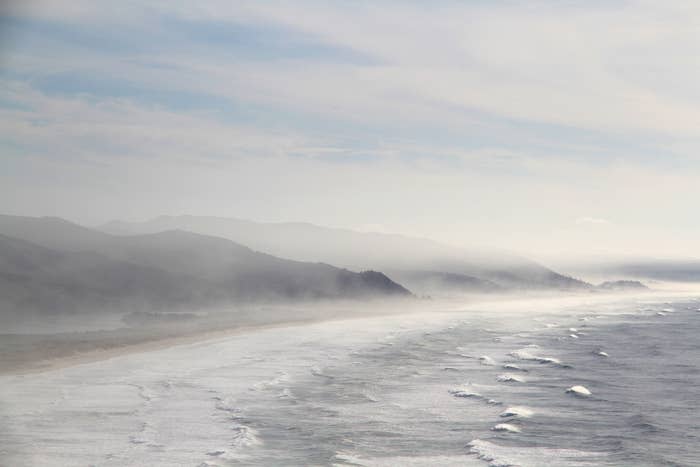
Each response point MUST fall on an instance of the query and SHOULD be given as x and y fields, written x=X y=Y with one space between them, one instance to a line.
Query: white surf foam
x=486 y=360
x=244 y=436
x=465 y=393
x=506 y=427
x=521 y=456
x=513 y=366
x=517 y=411
x=343 y=459
x=579 y=391
x=508 y=378
x=525 y=354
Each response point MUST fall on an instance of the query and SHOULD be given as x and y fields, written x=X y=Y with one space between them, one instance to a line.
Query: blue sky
x=547 y=127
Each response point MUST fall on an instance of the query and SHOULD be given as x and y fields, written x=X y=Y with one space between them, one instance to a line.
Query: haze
x=349 y=233
x=549 y=128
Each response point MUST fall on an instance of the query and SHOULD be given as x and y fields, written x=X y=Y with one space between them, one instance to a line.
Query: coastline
x=48 y=352
x=140 y=401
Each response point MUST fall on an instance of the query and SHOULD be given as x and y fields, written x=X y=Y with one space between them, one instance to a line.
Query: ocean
x=587 y=382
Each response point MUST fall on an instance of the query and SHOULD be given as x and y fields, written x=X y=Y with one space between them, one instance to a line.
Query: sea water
x=593 y=384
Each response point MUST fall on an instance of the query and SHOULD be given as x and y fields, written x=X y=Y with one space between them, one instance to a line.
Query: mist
x=349 y=233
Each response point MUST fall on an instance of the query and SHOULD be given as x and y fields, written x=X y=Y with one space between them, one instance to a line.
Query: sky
x=553 y=128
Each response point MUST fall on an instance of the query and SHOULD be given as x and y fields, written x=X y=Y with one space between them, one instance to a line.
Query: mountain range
x=52 y=264
x=420 y=264
x=191 y=262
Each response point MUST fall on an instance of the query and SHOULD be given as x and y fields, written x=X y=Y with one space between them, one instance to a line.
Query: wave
x=524 y=354
x=343 y=459
x=516 y=411
x=513 y=366
x=316 y=371
x=144 y=393
x=281 y=377
x=521 y=456
x=226 y=405
x=506 y=427
x=486 y=360
x=468 y=394
x=507 y=378
x=244 y=436
x=579 y=391
x=465 y=393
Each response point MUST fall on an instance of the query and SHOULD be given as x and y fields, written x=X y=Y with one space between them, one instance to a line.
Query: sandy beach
x=31 y=353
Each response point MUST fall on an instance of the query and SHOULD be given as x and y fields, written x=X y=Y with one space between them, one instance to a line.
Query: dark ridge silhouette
x=361 y=251
x=62 y=266
x=622 y=285
x=427 y=282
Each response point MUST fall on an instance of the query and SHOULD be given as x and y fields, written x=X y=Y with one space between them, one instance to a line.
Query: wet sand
x=31 y=353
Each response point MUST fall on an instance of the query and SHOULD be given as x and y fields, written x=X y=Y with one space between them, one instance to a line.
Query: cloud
x=591 y=220
x=548 y=64
x=466 y=121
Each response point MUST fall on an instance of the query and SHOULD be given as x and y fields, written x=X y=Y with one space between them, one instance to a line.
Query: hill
x=62 y=266
x=357 y=250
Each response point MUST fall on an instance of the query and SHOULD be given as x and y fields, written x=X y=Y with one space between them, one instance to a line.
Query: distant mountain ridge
x=421 y=260
x=621 y=285
x=47 y=262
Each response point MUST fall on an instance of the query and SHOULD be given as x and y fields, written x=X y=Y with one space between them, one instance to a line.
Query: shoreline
x=52 y=352
x=147 y=344
x=48 y=352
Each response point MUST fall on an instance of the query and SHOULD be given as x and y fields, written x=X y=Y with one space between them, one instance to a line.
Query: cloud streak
x=484 y=118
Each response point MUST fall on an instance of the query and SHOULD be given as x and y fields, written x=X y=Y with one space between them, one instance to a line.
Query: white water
x=373 y=391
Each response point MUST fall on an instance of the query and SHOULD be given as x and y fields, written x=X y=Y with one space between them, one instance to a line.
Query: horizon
x=577 y=263
x=574 y=135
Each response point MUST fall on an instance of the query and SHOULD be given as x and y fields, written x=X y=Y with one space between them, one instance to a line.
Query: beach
x=486 y=384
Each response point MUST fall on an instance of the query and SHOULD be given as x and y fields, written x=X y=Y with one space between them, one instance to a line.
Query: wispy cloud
x=591 y=220
x=486 y=118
